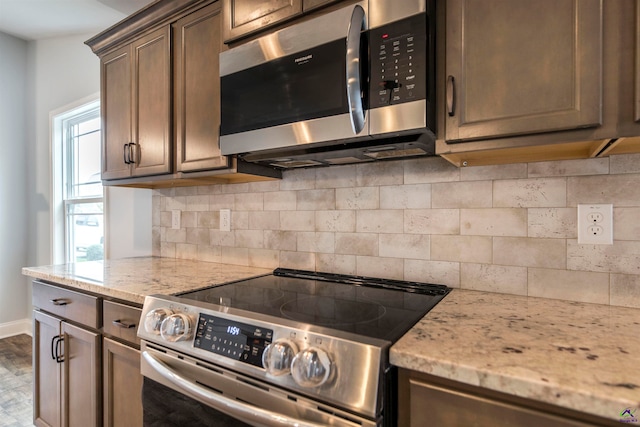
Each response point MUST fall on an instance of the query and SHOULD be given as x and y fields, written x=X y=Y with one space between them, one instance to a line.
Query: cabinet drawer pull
x=132 y=158
x=59 y=301
x=451 y=96
x=121 y=324
x=56 y=344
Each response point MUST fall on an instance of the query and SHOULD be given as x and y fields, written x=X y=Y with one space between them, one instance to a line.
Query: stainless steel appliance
x=293 y=348
x=356 y=84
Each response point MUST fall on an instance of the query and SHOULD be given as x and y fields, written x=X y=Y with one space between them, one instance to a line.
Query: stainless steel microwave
x=353 y=85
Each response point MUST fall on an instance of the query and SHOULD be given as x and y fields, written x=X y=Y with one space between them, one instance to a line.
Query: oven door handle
x=353 y=71
x=234 y=408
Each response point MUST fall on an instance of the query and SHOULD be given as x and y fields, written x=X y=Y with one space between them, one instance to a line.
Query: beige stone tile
x=379 y=221
x=625 y=290
x=621 y=257
x=553 y=222
x=379 y=173
x=280 y=240
x=198 y=236
x=494 y=222
x=208 y=189
x=311 y=200
x=165 y=219
x=599 y=166
x=156 y=210
x=264 y=220
x=222 y=238
x=336 y=263
x=494 y=278
x=209 y=253
x=626 y=223
x=156 y=242
x=249 y=238
x=172 y=203
x=341 y=221
x=264 y=186
x=188 y=219
x=298 y=260
x=530 y=193
x=569 y=285
x=167 y=249
x=429 y=170
x=265 y=258
x=432 y=221
x=619 y=190
x=186 y=191
x=461 y=248
x=492 y=172
x=165 y=192
x=239 y=220
x=222 y=201
x=236 y=256
x=197 y=203
x=473 y=194
x=298 y=220
x=311 y=241
x=411 y=196
x=186 y=251
x=439 y=272
x=390 y=268
x=413 y=246
x=209 y=220
x=336 y=177
x=529 y=252
x=357 y=244
x=249 y=202
x=175 y=236
x=234 y=188
x=298 y=179
x=280 y=201
x=358 y=198
x=625 y=163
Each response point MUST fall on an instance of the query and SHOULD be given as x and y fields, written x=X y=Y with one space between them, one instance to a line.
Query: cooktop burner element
x=377 y=308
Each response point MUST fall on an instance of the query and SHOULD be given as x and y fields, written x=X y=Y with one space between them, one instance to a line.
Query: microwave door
x=300 y=95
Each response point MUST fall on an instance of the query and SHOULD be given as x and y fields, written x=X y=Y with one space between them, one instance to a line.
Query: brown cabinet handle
x=120 y=324
x=56 y=343
x=451 y=95
x=124 y=154
x=59 y=301
x=131 y=153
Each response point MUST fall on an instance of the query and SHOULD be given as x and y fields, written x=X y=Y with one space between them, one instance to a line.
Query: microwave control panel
x=398 y=55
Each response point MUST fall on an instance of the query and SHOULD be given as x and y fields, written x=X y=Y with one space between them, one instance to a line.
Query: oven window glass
x=303 y=86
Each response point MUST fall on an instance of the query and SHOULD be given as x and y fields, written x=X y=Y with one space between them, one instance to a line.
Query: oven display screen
x=238 y=341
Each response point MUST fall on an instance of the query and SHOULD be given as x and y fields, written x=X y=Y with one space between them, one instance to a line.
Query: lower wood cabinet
x=426 y=400
x=67 y=373
x=122 y=384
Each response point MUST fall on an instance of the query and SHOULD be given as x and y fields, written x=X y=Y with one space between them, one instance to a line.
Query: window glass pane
x=85 y=231
x=84 y=158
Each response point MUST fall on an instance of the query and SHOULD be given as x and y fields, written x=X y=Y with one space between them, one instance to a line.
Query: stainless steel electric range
x=293 y=348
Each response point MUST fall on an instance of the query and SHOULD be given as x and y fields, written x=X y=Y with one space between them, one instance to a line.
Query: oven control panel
x=238 y=341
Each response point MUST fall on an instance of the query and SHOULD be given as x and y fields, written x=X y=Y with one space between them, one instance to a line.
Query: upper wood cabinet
x=198 y=43
x=242 y=17
x=136 y=108
x=522 y=67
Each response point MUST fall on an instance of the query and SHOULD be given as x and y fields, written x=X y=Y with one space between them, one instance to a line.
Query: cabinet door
x=242 y=17
x=116 y=95
x=122 y=385
x=197 y=44
x=81 y=386
x=522 y=67
x=46 y=371
x=152 y=103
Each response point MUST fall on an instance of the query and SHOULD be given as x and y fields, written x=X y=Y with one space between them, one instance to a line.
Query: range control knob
x=176 y=327
x=311 y=367
x=278 y=355
x=153 y=320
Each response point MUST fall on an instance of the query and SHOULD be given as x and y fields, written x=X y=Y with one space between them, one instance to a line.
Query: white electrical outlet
x=225 y=219
x=175 y=219
x=595 y=224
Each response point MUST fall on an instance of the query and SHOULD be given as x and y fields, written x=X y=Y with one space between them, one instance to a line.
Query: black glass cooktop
x=377 y=308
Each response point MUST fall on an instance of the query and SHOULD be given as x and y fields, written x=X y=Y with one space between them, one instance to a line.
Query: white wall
x=13 y=177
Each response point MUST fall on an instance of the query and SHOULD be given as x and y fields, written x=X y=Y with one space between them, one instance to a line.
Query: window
x=77 y=132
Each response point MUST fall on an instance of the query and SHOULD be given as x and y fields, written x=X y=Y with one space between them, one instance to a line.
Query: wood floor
x=16 y=398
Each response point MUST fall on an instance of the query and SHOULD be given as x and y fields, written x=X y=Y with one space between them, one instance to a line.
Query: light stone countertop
x=131 y=279
x=585 y=357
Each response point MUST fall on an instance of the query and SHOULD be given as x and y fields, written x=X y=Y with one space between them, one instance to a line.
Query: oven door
x=300 y=85
x=211 y=395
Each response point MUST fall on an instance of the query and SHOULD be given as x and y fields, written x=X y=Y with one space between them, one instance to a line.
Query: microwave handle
x=354 y=84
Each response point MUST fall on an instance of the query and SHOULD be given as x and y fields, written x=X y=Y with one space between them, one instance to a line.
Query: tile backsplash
x=508 y=228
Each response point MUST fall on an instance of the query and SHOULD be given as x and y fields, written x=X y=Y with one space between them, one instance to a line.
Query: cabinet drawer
x=121 y=321
x=81 y=308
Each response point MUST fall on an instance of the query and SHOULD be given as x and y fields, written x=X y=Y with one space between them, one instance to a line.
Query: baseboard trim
x=16 y=327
